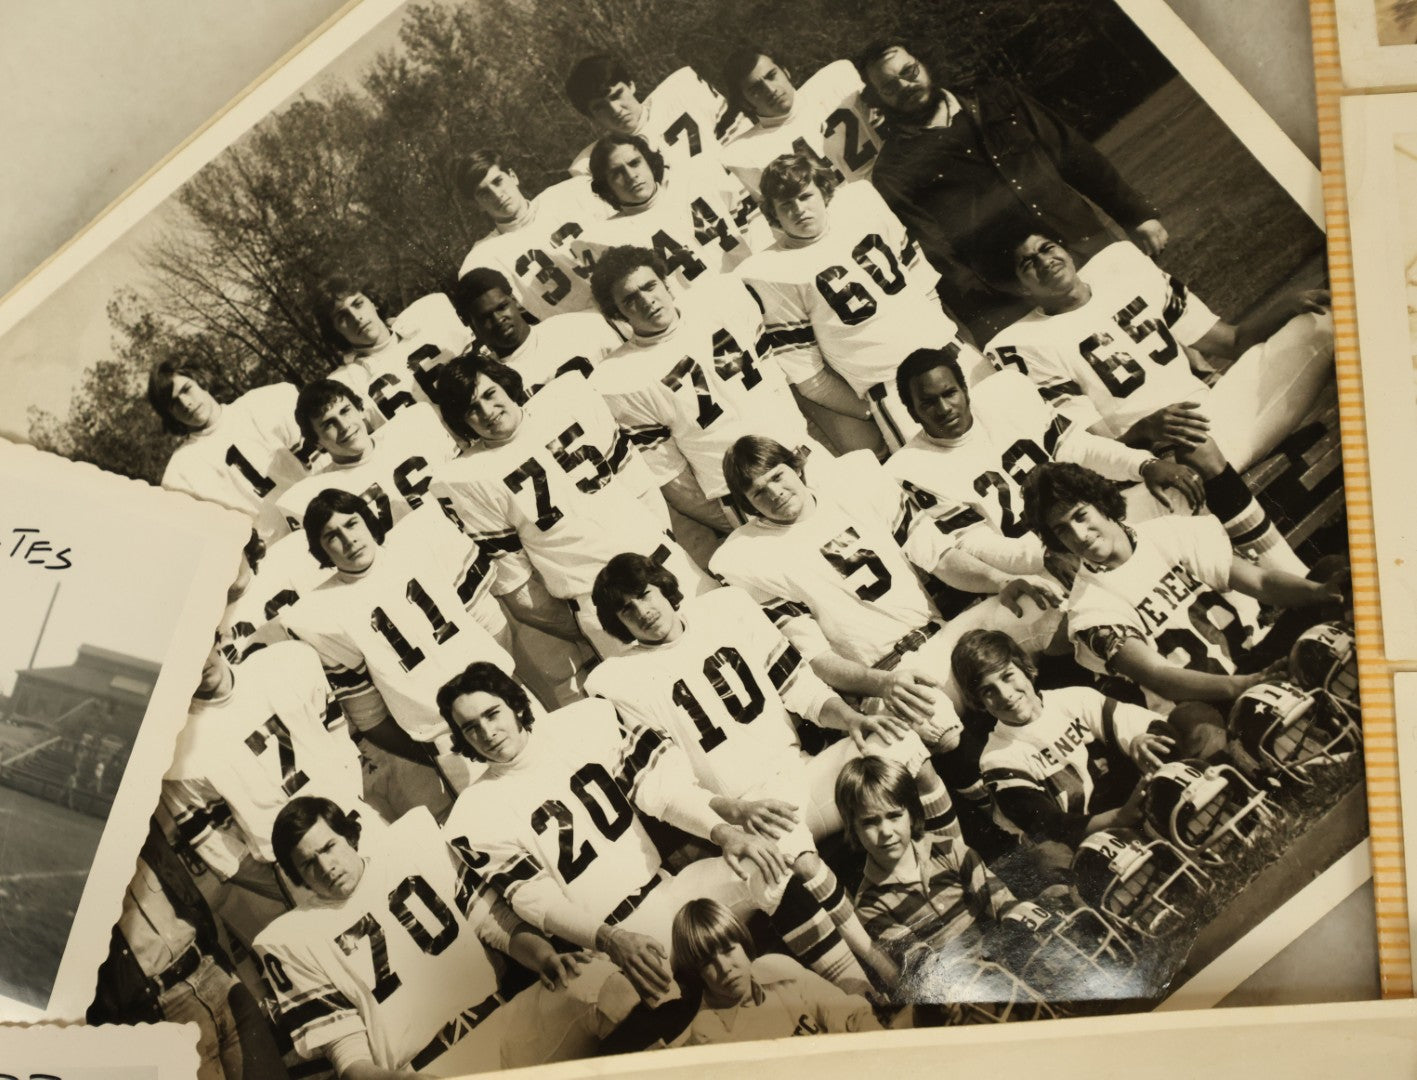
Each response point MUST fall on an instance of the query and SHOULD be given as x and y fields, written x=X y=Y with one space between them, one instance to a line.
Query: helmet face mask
x=1294 y=732
x=981 y=991
x=1146 y=887
x=1324 y=658
x=1208 y=811
x=1077 y=955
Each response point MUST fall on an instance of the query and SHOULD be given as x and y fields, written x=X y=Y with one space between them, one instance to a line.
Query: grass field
x=1237 y=238
x=45 y=854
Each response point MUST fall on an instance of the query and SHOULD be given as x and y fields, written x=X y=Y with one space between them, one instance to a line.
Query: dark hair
x=702 y=929
x=298 y=817
x=979 y=653
x=871 y=779
x=747 y=459
x=872 y=53
x=790 y=175
x=457 y=388
x=624 y=577
x=613 y=266
x=254 y=550
x=993 y=252
x=1056 y=483
x=600 y=163
x=160 y=381
x=332 y=290
x=470 y=171
x=918 y=363
x=476 y=283
x=326 y=505
x=482 y=677
x=316 y=398
x=592 y=77
x=739 y=65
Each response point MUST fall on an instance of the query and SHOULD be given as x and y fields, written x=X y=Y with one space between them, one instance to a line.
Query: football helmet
x=1208 y=811
x=1069 y=951
x=1145 y=886
x=1292 y=731
x=1324 y=658
x=975 y=990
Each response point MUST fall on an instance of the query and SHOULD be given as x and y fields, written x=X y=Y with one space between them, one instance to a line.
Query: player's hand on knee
x=1044 y=595
x=861 y=726
x=1150 y=750
x=1151 y=236
x=1181 y=425
x=641 y=958
x=744 y=852
x=1158 y=475
x=1317 y=301
x=911 y=695
x=765 y=817
x=558 y=969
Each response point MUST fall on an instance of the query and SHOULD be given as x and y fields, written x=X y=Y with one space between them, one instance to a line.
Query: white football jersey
x=860 y=297
x=576 y=341
x=559 y=823
x=1173 y=594
x=393 y=477
x=683 y=117
x=565 y=490
x=1119 y=357
x=722 y=690
x=404 y=370
x=700 y=220
x=406 y=625
x=1050 y=753
x=1014 y=431
x=246 y=755
x=249 y=455
x=534 y=252
x=402 y=957
x=703 y=384
x=841 y=570
x=828 y=121
x=286 y=571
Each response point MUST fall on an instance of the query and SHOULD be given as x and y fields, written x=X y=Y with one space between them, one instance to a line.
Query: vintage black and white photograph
x=100 y=583
x=756 y=527
x=1377 y=42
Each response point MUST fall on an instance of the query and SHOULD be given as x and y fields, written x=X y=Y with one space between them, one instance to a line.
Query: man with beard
x=954 y=163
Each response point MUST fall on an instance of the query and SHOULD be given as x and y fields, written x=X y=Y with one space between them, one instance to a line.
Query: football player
x=405 y=607
x=553 y=825
x=389 y=967
x=825 y=118
x=718 y=678
x=830 y=549
x=390 y=467
x=1057 y=761
x=240 y=454
x=530 y=238
x=392 y=365
x=693 y=377
x=1113 y=347
x=682 y=116
x=271 y=577
x=574 y=341
x=1165 y=603
x=978 y=444
x=695 y=216
x=846 y=288
x=556 y=479
x=257 y=735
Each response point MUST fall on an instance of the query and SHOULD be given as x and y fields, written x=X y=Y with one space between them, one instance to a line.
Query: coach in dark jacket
x=957 y=164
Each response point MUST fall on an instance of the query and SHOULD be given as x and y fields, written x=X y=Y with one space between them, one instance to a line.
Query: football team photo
x=759 y=522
